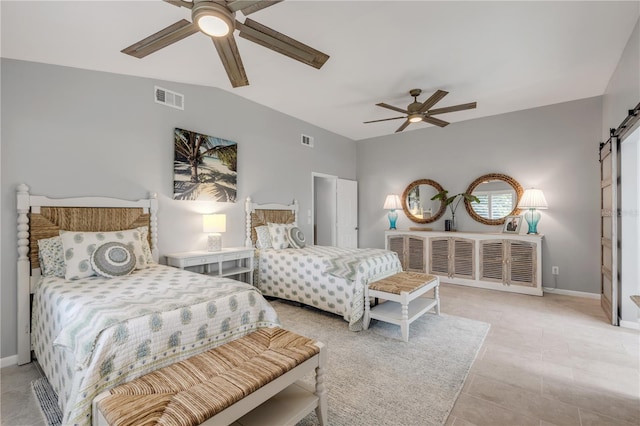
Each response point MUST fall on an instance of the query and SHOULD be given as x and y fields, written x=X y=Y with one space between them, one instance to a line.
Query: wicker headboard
x=261 y=214
x=42 y=217
x=51 y=220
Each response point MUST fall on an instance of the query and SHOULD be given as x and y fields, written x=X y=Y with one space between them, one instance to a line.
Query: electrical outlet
x=555 y=270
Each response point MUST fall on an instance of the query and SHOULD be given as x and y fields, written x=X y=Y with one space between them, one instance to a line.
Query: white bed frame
x=250 y=207
x=27 y=277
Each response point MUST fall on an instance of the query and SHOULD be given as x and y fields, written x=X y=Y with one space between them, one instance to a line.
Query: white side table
x=224 y=263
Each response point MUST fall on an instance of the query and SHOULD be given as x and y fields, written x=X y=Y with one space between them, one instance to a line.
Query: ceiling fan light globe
x=213 y=19
x=415 y=118
x=213 y=26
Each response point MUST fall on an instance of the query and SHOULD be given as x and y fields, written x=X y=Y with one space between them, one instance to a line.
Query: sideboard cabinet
x=410 y=249
x=494 y=261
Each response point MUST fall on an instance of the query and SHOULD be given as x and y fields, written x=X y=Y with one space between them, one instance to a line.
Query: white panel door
x=609 y=229
x=347 y=213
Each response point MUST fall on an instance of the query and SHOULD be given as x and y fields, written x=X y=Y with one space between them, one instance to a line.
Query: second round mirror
x=499 y=195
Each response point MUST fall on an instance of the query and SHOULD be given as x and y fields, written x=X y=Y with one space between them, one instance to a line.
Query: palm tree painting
x=204 y=167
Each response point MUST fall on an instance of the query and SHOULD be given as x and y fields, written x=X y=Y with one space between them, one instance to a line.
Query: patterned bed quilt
x=95 y=333
x=329 y=278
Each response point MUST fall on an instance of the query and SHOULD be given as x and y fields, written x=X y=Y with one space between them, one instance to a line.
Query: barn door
x=347 y=213
x=609 y=173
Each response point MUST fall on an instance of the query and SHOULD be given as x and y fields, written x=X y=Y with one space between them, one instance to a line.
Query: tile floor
x=549 y=360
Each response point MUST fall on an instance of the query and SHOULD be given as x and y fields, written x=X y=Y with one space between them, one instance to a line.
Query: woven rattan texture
x=262 y=217
x=191 y=391
x=51 y=220
x=402 y=281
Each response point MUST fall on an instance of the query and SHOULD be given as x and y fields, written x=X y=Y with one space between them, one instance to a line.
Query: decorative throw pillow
x=51 y=257
x=278 y=232
x=79 y=246
x=144 y=234
x=263 y=240
x=113 y=260
x=296 y=237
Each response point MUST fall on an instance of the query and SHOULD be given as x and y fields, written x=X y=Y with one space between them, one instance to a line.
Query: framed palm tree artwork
x=204 y=167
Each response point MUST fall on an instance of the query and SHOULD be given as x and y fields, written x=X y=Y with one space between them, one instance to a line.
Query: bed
x=332 y=279
x=93 y=333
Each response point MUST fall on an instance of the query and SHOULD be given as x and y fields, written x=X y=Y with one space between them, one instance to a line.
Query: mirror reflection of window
x=494 y=204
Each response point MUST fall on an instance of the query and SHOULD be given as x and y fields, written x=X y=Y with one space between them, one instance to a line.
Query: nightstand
x=224 y=263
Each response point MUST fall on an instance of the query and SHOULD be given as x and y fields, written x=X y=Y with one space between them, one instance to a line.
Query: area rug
x=372 y=376
x=48 y=400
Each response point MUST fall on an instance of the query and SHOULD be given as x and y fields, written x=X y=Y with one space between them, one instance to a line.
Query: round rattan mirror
x=417 y=203
x=499 y=196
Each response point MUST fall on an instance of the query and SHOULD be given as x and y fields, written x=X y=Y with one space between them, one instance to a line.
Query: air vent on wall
x=169 y=98
x=306 y=140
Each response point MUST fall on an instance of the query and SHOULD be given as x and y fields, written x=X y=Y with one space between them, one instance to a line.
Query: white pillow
x=263 y=240
x=278 y=232
x=79 y=246
x=144 y=234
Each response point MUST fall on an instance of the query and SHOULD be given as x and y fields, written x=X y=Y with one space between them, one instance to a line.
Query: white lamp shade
x=213 y=223
x=533 y=199
x=392 y=202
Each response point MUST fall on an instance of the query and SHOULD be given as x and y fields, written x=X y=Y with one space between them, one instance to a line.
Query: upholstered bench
x=404 y=304
x=253 y=380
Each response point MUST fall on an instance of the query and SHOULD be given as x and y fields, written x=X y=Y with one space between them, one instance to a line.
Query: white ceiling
x=506 y=56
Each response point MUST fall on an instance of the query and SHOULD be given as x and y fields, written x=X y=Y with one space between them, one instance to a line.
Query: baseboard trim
x=630 y=324
x=571 y=293
x=9 y=361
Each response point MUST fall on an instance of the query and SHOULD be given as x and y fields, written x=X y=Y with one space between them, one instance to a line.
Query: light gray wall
x=70 y=132
x=554 y=148
x=623 y=94
x=623 y=90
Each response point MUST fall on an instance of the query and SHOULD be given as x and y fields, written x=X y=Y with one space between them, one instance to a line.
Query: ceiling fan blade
x=180 y=3
x=432 y=100
x=384 y=119
x=230 y=57
x=460 y=107
x=271 y=39
x=248 y=7
x=383 y=105
x=162 y=38
x=404 y=126
x=436 y=121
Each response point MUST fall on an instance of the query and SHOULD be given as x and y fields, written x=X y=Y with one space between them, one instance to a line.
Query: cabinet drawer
x=234 y=256
x=195 y=261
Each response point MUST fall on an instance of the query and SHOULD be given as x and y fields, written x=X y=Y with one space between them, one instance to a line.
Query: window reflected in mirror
x=497 y=199
x=499 y=195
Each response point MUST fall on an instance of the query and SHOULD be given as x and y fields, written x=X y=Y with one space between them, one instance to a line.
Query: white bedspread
x=330 y=278
x=92 y=334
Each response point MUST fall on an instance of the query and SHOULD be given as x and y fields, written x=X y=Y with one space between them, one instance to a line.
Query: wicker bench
x=404 y=303
x=253 y=380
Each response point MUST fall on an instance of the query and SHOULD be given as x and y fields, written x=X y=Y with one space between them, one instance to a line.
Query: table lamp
x=391 y=203
x=214 y=224
x=532 y=200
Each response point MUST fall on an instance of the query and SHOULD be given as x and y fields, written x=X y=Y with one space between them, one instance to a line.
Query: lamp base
x=532 y=216
x=214 y=242
x=393 y=217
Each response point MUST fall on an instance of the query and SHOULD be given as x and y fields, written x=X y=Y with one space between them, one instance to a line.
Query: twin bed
x=329 y=278
x=93 y=333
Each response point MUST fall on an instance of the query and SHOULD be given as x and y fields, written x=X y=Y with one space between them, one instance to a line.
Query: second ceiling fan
x=216 y=19
x=420 y=111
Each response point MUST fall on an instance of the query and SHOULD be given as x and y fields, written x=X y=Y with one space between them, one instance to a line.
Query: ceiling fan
x=419 y=111
x=216 y=19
